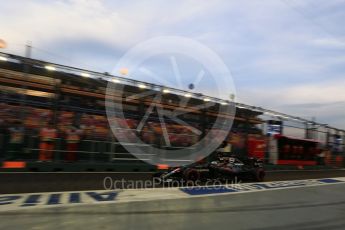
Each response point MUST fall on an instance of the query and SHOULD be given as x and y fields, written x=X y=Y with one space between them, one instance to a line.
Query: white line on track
x=109 y=172
x=306 y=170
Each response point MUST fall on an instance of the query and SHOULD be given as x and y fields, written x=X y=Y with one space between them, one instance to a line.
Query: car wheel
x=191 y=175
x=259 y=175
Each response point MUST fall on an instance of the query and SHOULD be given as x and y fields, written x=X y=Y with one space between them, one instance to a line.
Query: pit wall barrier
x=100 y=156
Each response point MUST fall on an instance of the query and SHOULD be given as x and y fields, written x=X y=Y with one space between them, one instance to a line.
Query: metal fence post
x=57 y=149
x=93 y=149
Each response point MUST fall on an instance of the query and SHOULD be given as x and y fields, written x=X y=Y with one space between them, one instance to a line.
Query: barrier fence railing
x=85 y=150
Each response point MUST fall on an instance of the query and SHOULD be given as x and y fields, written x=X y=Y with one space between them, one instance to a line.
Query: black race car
x=230 y=168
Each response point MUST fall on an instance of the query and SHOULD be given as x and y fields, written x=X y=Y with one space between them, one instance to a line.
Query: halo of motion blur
x=205 y=144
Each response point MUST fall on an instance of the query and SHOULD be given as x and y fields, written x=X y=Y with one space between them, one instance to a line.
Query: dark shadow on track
x=63 y=181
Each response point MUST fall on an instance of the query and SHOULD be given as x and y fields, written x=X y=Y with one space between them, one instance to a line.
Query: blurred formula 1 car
x=223 y=169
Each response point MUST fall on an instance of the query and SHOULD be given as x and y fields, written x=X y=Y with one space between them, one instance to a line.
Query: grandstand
x=36 y=94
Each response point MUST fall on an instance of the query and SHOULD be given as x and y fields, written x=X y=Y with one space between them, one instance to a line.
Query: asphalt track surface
x=12 y=183
x=319 y=207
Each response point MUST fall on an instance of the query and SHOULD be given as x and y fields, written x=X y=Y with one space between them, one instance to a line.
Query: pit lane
x=21 y=182
x=319 y=207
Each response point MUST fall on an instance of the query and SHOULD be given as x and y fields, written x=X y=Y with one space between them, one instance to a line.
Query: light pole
x=56 y=98
x=26 y=69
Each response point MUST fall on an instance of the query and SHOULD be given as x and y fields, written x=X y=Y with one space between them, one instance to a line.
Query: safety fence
x=85 y=150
